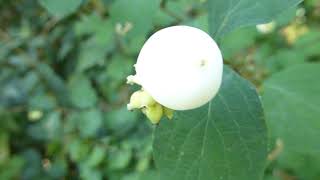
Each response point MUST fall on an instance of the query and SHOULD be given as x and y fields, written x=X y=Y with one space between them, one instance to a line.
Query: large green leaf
x=225 y=139
x=292 y=105
x=227 y=15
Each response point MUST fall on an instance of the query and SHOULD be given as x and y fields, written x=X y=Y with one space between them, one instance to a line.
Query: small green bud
x=135 y=100
x=168 y=112
x=147 y=99
x=153 y=113
x=140 y=99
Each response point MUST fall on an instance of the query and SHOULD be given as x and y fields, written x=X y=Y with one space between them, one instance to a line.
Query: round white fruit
x=180 y=67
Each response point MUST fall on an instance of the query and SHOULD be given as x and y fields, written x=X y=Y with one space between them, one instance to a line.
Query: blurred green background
x=63 y=65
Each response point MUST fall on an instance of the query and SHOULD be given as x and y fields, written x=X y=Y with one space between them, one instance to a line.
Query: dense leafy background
x=62 y=86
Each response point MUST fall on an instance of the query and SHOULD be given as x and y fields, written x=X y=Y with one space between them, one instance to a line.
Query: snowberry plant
x=209 y=120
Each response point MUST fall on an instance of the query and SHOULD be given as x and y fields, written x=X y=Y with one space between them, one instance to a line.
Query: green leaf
x=286 y=17
x=120 y=121
x=54 y=82
x=42 y=102
x=308 y=44
x=58 y=168
x=238 y=42
x=292 y=105
x=145 y=175
x=32 y=164
x=14 y=90
x=81 y=91
x=87 y=173
x=225 y=139
x=227 y=15
x=12 y=168
x=162 y=19
x=91 y=54
x=284 y=59
x=61 y=8
x=89 y=122
x=89 y=24
x=176 y=8
x=119 y=158
x=78 y=150
x=96 y=156
x=48 y=128
x=182 y=9
x=93 y=51
x=200 y=22
x=134 y=45
x=139 y=13
x=304 y=166
x=118 y=68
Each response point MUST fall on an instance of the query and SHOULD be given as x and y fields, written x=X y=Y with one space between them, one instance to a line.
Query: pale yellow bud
x=140 y=99
x=153 y=113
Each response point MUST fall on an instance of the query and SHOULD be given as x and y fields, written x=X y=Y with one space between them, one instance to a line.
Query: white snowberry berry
x=180 y=67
